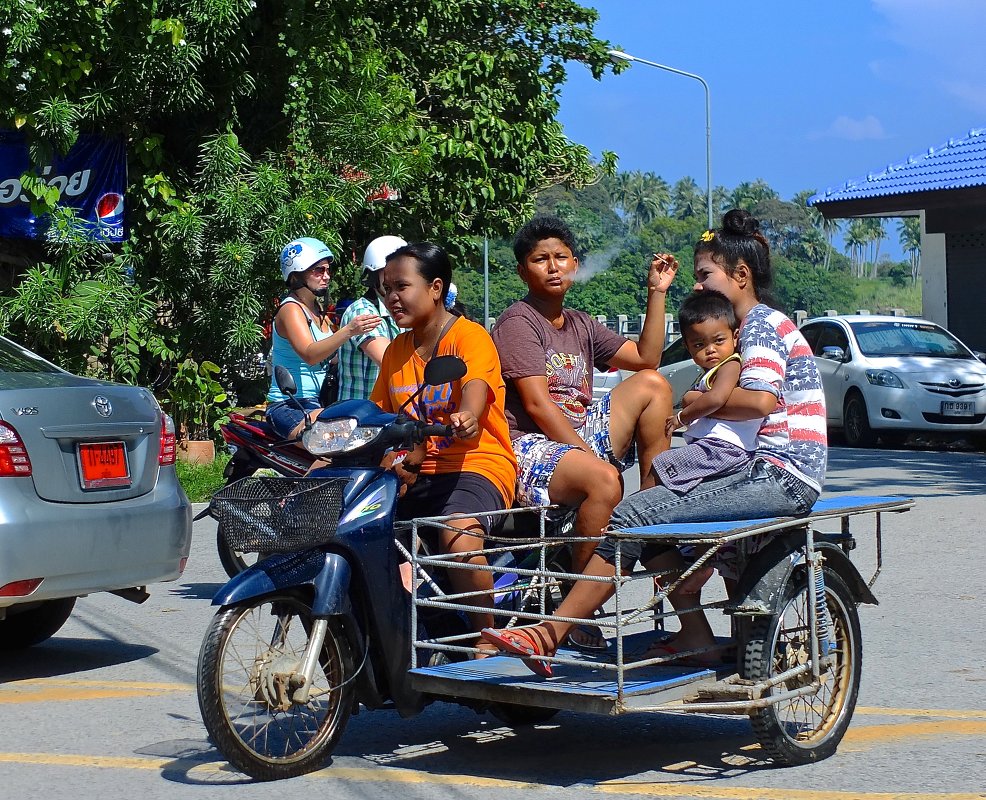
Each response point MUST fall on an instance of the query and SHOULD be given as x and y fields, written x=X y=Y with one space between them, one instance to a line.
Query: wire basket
x=278 y=515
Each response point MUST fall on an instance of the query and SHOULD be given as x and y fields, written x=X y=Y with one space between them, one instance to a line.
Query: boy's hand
x=672 y=424
x=465 y=424
x=662 y=271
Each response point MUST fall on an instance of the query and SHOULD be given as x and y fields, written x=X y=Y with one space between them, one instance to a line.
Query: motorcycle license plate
x=103 y=465
x=957 y=408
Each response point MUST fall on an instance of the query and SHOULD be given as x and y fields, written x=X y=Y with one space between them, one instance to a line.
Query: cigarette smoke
x=594 y=263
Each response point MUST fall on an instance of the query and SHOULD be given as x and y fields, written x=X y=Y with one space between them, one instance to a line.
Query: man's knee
x=606 y=485
x=651 y=382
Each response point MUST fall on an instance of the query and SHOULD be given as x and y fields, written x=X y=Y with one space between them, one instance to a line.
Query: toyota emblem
x=102 y=406
x=955 y=383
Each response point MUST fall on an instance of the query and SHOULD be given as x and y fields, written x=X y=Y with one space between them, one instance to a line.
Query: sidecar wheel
x=808 y=728
x=246 y=656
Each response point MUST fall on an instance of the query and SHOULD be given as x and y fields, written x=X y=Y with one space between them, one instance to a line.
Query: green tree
x=687 y=200
x=909 y=230
x=748 y=195
x=249 y=123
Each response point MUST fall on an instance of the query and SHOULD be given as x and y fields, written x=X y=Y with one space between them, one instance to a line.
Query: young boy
x=714 y=447
x=569 y=451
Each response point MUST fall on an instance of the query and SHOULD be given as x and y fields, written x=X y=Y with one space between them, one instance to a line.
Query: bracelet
x=680 y=422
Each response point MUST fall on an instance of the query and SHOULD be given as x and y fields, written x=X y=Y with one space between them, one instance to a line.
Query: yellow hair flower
x=708 y=236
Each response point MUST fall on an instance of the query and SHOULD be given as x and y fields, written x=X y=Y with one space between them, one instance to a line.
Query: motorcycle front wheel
x=246 y=676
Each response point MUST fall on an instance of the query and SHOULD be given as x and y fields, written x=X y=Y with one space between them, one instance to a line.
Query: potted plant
x=195 y=401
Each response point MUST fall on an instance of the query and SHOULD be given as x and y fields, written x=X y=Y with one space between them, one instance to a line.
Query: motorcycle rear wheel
x=233 y=561
x=248 y=653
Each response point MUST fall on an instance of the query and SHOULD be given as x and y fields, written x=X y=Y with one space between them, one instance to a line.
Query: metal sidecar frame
x=792 y=662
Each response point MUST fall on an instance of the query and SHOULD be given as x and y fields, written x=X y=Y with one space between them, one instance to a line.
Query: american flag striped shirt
x=777 y=359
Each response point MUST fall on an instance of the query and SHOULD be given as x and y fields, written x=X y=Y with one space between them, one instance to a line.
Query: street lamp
x=618 y=55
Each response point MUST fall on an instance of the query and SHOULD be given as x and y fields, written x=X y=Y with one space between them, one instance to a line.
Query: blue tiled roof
x=957 y=164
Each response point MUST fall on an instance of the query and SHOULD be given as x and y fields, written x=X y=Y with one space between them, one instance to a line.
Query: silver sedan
x=89 y=499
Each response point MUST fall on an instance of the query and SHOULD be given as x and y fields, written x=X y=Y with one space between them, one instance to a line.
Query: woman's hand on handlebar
x=362 y=323
x=465 y=425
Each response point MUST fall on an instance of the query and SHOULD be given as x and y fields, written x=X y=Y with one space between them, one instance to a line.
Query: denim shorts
x=762 y=490
x=285 y=416
x=537 y=455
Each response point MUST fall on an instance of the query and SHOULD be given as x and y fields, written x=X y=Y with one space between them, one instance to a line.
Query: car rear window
x=14 y=358
x=907 y=339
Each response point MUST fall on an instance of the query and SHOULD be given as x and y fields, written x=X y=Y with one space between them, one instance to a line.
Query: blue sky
x=805 y=95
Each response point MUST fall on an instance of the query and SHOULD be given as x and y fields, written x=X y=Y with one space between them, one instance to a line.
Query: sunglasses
x=320 y=270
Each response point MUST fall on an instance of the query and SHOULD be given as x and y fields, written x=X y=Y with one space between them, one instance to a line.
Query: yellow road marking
x=92 y=689
x=920 y=712
x=403 y=776
x=950 y=722
x=46 y=691
x=871 y=734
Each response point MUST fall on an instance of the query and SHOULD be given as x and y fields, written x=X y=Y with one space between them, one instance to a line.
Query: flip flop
x=598 y=643
x=518 y=642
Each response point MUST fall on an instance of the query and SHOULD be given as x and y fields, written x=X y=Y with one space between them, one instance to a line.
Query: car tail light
x=166 y=455
x=14 y=461
x=20 y=588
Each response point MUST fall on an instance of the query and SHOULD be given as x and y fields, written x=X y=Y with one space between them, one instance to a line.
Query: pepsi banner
x=91 y=179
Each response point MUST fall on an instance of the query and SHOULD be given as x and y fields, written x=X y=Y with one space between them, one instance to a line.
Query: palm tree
x=721 y=200
x=856 y=238
x=875 y=234
x=642 y=197
x=686 y=199
x=910 y=241
x=749 y=195
x=830 y=227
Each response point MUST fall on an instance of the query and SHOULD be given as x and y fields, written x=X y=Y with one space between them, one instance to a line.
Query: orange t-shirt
x=402 y=372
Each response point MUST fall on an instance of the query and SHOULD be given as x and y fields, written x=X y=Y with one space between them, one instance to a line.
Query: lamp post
x=618 y=55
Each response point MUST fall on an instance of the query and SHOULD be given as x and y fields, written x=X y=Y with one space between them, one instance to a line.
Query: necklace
x=428 y=349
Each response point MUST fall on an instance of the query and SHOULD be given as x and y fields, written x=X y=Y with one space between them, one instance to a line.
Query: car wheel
x=856 y=422
x=23 y=629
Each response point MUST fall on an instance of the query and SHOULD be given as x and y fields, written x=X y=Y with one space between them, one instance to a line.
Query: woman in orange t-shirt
x=473 y=471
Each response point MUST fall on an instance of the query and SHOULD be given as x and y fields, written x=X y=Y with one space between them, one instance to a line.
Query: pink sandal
x=519 y=642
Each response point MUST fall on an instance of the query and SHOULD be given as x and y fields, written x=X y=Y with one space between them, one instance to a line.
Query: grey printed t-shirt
x=529 y=345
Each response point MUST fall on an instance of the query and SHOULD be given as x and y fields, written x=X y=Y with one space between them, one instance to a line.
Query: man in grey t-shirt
x=569 y=451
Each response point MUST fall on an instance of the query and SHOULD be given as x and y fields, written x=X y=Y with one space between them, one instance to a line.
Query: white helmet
x=375 y=255
x=299 y=255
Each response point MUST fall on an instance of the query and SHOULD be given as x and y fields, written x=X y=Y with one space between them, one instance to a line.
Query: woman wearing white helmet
x=302 y=338
x=360 y=356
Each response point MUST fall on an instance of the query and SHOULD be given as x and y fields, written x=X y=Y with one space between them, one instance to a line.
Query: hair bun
x=740 y=222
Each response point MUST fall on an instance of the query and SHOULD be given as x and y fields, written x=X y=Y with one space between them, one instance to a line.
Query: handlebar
x=437 y=430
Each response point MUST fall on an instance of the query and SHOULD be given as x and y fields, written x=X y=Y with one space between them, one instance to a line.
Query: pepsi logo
x=109 y=209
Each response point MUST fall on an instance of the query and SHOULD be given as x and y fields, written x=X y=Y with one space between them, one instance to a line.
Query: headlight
x=884 y=377
x=337 y=436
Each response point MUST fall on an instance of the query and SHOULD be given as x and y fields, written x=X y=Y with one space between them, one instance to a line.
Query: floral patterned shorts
x=537 y=455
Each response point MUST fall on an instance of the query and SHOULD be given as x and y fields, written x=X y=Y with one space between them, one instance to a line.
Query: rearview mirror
x=444 y=369
x=834 y=353
x=285 y=381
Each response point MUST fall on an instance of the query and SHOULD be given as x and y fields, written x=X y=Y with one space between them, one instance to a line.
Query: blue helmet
x=299 y=255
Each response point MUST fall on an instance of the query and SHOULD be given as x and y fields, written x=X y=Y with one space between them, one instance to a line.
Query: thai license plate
x=103 y=465
x=957 y=408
